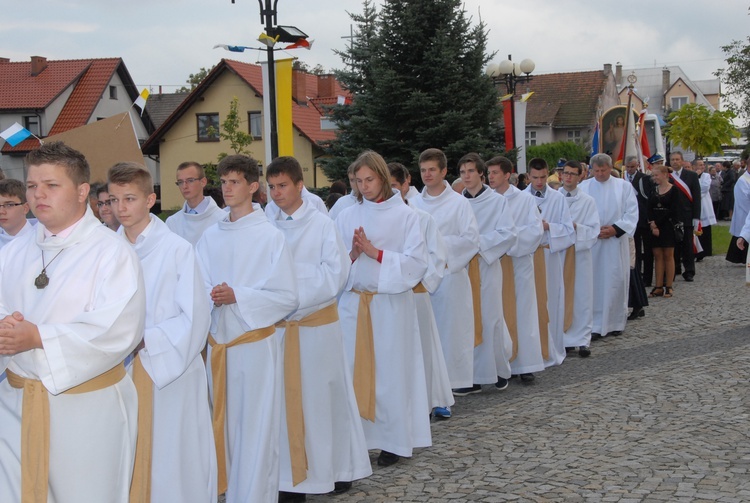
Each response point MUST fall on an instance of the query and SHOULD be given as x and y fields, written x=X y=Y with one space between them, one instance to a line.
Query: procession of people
x=261 y=352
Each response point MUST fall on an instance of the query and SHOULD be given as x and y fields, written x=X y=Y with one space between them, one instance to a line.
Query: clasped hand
x=360 y=245
x=18 y=335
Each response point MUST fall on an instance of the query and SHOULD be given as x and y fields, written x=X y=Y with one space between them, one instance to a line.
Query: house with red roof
x=188 y=134
x=48 y=97
x=566 y=106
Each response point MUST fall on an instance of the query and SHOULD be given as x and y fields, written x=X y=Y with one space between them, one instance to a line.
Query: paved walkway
x=661 y=413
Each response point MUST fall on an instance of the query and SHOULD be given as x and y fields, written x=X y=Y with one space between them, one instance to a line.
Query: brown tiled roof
x=82 y=102
x=563 y=99
x=19 y=90
x=306 y=118
x=90 y=77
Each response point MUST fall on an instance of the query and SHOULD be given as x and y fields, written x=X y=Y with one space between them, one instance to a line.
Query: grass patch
x=720 y=239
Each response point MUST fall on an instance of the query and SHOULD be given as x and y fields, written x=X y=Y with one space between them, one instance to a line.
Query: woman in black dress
x=663 y=212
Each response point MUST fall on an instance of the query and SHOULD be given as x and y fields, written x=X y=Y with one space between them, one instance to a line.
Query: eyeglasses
x=188 y=181
x=569 y=173
x=99 y=204
x=9 y=206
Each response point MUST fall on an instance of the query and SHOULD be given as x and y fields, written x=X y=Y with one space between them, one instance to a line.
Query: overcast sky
x=163 y=41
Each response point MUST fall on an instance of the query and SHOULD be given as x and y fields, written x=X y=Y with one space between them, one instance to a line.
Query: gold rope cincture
x=295 y=419
x=219 y=379
x=569 y=283
x=509 y=302
x=476 y=296
x=540 y=282
x=364 y=358
x=35 y=428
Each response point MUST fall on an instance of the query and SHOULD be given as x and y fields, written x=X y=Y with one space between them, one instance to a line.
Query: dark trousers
x=684 y=255
x=644 y=257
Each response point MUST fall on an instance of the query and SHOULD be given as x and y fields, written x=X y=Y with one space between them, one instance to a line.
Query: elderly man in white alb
x=618 y=216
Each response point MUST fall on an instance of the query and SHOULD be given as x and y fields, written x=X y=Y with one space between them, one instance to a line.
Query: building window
x=327 y=124
x=31 y=122
x=113 y=92
x=530 y=138
x=255 y=120
x=678 y=102
x=208 y=127
x=574 y=135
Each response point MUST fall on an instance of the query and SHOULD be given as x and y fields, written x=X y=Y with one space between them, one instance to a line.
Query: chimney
x=618 y=74
x=4 y=60
x=326 y=86
x=299 y=86
x=607 y=68
x=38 y=64
x=665 y=80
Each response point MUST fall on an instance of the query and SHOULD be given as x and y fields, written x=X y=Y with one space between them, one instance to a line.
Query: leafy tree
x=416 y=72
x=736 y=78
x=194 y=79
x=232 y=131
x=701 y=130
x=304 y=67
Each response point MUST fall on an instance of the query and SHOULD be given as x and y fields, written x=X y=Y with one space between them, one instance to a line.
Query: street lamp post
x=268 y=16
x=511 y=74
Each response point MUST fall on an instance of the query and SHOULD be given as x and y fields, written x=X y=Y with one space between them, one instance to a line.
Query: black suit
x=644 y=257
x=689 y=211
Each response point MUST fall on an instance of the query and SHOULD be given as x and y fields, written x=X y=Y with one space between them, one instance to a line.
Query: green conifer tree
x=416 y=70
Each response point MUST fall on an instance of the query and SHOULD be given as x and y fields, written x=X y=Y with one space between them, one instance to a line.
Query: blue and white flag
x=15 y=134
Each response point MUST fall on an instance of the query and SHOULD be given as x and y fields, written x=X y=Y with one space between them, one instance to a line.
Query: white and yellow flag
x=140 y=101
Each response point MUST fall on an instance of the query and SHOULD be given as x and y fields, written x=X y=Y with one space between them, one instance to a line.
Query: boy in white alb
x=320 y=421
x=249 y=274
x=13 y=210
x=381 y=334
x=527 y=348
x=199 y=212
x=72 y=307
x=168 y=368
x=586 y=222
x=496 y=237
x=436 y=372
x=559 y=235
x=452 y=301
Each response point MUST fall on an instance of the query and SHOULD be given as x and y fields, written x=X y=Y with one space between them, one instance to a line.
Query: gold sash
x=35 y=428
x=219 y=378
x=509 y=302
x=140 y=485
x=569 y=282
x=476 y=297
x=364 y=358
x=540 y=282
x=420 y=288
x=295 y=420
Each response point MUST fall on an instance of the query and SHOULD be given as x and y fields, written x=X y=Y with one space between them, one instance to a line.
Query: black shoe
x=615 y=333
x=285 y=497
x=341 y=487
x=568 y=349
x=387 y=458
x=502 y=383
x=467 y=391
x=527 y=378
x=584 y=352
x=688 y=277
x=595 y=336
x=636 y=313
